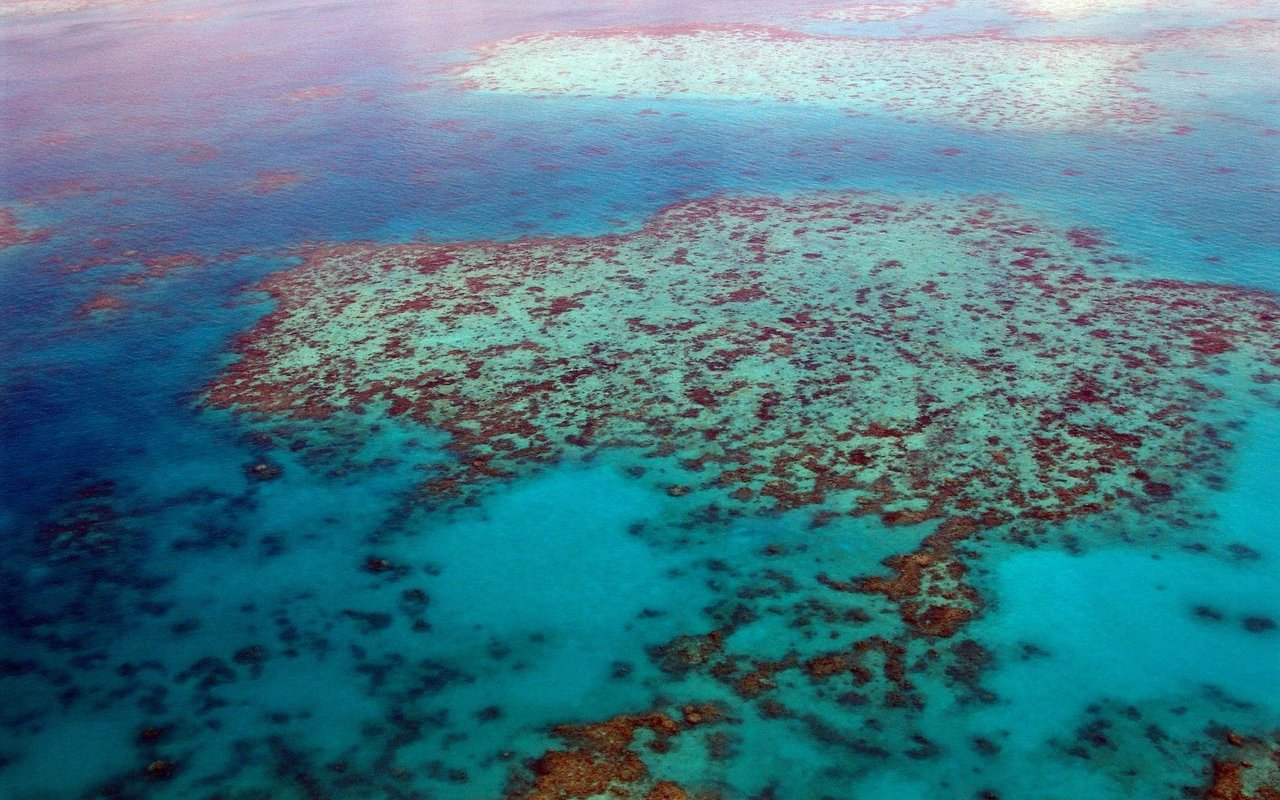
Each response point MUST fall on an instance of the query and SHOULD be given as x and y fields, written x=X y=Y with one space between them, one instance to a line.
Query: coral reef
x=604 y=758
x=985 y=81
x=14 y=233
x=795 y=353
x=875 y=12
x=45 y=8
x=1248 y=770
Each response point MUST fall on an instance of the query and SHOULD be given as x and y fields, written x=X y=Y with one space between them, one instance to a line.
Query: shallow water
x=396 y=403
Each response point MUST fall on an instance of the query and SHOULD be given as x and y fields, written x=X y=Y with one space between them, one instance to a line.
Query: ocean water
x=366 y=433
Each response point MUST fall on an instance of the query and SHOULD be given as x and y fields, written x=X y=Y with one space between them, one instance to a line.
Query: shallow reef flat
x=985 y=81
x=44 y=8
x=876 y=12
x=1216 y=67
x=980 y=81
x=916 y=359
x=1077 y=9
x=947 y=385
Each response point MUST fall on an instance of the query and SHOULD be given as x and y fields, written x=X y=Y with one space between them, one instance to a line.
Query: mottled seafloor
x=640 y=400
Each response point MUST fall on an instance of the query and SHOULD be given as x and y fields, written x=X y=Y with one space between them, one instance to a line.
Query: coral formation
x=604 y=758
x=875 y=12
x=793 y=353
x=45 y=8
x=1250 y=770
x=985 y=81
x=14 y=233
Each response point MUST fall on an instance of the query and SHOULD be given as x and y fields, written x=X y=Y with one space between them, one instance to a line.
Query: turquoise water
x=203 y=602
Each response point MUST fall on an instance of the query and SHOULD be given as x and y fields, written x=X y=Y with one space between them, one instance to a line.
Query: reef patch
x=875 y=12
x=14 y=233
x=984 y=81
x=795 y=353
x=790 y=354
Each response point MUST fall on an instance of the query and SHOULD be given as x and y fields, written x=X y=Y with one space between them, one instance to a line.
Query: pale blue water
x=546 y=598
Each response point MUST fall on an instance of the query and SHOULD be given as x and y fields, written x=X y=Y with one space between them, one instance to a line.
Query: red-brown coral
x=917 y=360
x=603 y=759
x=1250 y=772
x=12 y=233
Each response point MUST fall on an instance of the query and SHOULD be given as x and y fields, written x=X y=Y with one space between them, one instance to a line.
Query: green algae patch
x=984 y=81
